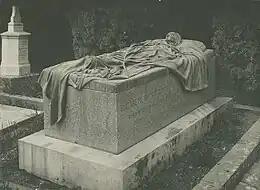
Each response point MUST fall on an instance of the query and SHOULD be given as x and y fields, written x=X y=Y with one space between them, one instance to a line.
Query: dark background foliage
x=66 y=29
x=236 y=42
x=97 y=26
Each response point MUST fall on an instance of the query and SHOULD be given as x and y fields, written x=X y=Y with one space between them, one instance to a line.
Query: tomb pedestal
x=15 y=69
x=118 y=135
x=15 y=54
x=115 y=115
x=74 y=165
x=15 y=48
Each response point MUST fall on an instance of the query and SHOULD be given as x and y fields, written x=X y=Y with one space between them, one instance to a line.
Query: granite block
x=75 y=165
x=245 y=186
x=137 y=108
x=231 y=168
x=16 y=123
x=253 y=176
x=21 y=101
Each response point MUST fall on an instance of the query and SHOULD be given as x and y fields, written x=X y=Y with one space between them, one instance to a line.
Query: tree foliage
x=237 y=44
x=98 y=29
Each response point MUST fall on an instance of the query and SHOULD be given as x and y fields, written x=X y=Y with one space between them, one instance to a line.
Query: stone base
x=15 y=70
x=75 y=165
x=17 y=123
x=229 y=171
x=113 y=115
x=26 y=85
x=21 y=101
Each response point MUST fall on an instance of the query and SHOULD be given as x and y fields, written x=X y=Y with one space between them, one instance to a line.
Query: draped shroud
x=186 y=61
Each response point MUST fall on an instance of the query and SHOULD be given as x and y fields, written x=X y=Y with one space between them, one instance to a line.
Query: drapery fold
x=186 y=61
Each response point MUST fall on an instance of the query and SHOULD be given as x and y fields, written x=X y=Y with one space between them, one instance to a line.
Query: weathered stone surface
x=114 y=115
x=21 y=101
x=203 y=185
x=253 y=176
x=75 y=165
x=10 y=115
x=246 y=107
x=16 y=123
x=15 y=54
x=15 y=60
x=231 y=168
x=244 y=186
x=15 y=24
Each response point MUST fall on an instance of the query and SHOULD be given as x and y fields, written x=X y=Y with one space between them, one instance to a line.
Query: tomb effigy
x=120 y=113
x=109 y=112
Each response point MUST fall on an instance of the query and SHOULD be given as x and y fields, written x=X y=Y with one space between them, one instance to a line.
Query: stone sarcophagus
x=119 y=134
x=114 y=115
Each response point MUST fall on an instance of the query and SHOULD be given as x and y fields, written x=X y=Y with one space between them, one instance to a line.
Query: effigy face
x=173 y=38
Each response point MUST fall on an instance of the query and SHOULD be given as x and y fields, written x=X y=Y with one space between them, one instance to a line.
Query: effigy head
x=173 y=38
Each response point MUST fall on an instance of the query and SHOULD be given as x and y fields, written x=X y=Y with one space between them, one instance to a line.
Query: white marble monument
x=15 y=60
x=119 y=135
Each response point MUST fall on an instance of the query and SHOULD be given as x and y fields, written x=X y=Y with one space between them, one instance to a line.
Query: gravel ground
x=189 y=169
